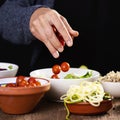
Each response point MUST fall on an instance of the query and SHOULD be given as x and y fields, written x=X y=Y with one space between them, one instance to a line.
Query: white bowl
x=60 y=86
x=8 y=69
x=111 y=83
x=113 y=88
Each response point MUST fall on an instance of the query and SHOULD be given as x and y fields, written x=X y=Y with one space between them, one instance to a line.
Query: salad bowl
x=66 y=79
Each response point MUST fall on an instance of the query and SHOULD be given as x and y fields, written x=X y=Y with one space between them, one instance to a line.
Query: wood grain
x=47 y=110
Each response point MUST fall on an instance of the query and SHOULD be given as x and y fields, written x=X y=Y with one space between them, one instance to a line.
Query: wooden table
x=47 y=110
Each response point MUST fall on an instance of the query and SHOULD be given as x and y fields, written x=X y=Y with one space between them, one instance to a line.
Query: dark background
x=99 y=26
x=97 y=46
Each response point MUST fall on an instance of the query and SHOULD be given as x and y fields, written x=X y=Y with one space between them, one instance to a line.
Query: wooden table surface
x=47 y=110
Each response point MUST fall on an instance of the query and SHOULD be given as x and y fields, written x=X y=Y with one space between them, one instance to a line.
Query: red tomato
x=32 y=85
x=65 y=66
x=32 y=80
x=23 y=83
x=56 y=69
x=38 y=83
x=11 y=85
x=19 y=79
x=55 y=76
x=61 y=40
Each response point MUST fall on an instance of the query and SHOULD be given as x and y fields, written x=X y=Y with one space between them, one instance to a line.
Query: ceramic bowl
x=21 y=100
x=8 y=69
x=111 y=83
x=60 y=86
x=87 y=109
x=112 y=88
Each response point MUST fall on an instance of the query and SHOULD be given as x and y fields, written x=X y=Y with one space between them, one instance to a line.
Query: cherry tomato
x=31 y=80
x=32 y=85
x=65 y=66
x=55 y=76
x=61 y=40
x=56 y=69
x=38 y=83
x=19 y=79
x=11 y=85
x=23 y=83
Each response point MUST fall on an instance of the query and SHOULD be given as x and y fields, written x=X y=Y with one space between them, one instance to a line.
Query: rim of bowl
x=110 y=82
x=15 y=66
x=6 y=90
x=87 y=103
x=97 y=73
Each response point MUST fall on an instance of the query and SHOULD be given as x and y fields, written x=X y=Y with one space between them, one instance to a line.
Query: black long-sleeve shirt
x=14 y=19
x=17 y=44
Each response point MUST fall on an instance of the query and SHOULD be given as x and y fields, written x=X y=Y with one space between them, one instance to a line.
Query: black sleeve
x=14 y=19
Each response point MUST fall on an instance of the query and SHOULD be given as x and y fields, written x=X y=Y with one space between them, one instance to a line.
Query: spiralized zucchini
x=91 y=92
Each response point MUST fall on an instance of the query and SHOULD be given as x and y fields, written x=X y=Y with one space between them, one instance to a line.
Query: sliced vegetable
x=74 y=76
x=10 y=67
x=83 y=67
x=87 y=75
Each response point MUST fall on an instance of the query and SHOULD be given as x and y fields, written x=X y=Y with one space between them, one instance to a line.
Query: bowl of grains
x=111 y=83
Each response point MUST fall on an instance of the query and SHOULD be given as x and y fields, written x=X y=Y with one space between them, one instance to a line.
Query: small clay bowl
x=21 y=100
x=87 y=109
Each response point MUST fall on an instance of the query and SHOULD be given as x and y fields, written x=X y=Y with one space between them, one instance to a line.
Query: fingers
x=41 y=26
x=44 y=39
x=61 y=28
x=72 y=32
x=50 y=40
x=44 y=32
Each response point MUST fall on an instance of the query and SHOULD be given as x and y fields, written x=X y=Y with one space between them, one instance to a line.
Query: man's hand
x=47 y=25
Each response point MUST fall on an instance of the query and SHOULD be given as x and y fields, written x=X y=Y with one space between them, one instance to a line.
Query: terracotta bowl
x=88 y=109
x=21 y=100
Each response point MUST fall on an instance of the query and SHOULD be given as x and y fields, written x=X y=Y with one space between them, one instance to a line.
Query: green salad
x=74 y=76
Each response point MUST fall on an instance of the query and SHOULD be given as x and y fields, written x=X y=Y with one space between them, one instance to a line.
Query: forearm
x=14 y=22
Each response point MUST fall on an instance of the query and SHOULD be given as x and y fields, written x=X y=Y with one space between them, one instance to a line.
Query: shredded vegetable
x=91 y=92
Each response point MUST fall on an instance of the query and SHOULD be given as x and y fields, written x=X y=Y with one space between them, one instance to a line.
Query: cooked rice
x=111 y=77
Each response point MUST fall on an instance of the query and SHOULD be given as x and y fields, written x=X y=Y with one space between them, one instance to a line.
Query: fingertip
x=76 y=33
x=69 y=43
x=56 y=54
